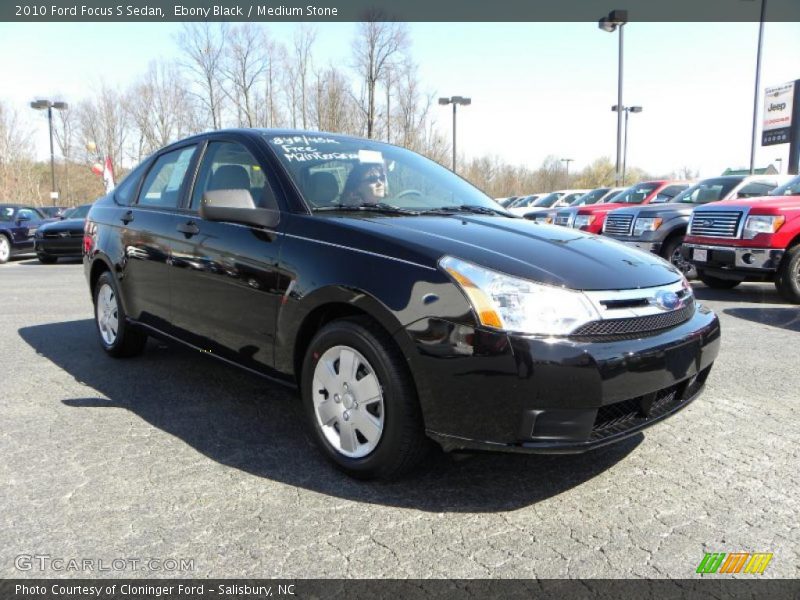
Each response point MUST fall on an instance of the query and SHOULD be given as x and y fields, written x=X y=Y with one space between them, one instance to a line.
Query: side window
x=124 y=192
x=753 y=189
x=230 y=166
x=669 y=192
x=29 y=213
x=163 y=183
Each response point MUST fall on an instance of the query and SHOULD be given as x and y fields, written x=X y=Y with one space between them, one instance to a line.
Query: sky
x=537 y=89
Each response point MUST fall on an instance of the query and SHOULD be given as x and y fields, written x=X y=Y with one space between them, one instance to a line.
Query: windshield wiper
x=468 y=208
x=380 y=207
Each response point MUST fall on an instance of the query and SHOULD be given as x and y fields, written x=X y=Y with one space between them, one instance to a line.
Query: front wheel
x=46 y=259
x=672 y=252
x=788 y=280
x=361 y=402
x=117 y=337
x=717 y=283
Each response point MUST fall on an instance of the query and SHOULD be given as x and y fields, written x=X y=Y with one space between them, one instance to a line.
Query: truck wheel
x=788 y=280
x=671 y=251
x=361 y=402
x=718 y=283
x=116 y=335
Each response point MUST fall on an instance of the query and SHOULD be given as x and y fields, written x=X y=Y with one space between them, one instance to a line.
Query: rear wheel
x=718 y=283
x=788 y=279
x=671 y=251
x=361 y=402
x=117 y=337
x=5 y=249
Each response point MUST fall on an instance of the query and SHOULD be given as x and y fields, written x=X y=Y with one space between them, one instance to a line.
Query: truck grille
x=717 y=223
x=562 y=219
x=618 y=224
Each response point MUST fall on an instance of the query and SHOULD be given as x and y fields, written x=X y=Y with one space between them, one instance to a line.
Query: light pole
x=616 y=19
x=566 y=161
x=627 y=109
x=758 y=84
x=47 y=104
x=780 y=165
x=455 y=101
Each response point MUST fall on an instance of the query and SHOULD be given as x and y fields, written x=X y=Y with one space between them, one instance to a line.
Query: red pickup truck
x=591 y=218
x=753 y=239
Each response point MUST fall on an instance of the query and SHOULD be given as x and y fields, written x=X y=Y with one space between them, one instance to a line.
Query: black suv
x=405 y=304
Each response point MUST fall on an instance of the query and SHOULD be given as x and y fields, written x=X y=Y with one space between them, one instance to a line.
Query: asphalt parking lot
x=176 y=456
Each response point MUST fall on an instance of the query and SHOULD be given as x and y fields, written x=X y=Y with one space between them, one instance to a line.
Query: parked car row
x=709 y=229
x=27 y=229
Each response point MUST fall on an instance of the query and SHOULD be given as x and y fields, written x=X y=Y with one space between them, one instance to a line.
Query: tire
x=788 y=279
x=5 y=249
x=46 y=259
x=671 y=251
x=117 y=337
x=355 y=381
x=717 y=283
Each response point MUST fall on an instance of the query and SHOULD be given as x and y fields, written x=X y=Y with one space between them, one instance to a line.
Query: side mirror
x=236 y=206
x=22 y=218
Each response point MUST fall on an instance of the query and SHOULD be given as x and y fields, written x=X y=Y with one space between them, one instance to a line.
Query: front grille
x=618 y=224
x=57 y=235
x=562 y=219
x=635 y=325
x=717 y=223
x=628 y=414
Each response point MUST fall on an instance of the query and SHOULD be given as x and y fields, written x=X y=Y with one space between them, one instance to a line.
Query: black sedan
x=18 y=224
x=405 y=304
x=62 y=239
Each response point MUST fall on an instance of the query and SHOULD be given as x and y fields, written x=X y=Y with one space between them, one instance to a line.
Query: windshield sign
x=337 y=172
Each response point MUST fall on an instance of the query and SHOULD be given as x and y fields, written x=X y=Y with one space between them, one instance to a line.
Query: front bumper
x=487 y=390
x=733 y=258
x=58 y=246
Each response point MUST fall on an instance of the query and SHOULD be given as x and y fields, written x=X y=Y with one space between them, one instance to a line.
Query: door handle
x=189 y=228
x=127 y=217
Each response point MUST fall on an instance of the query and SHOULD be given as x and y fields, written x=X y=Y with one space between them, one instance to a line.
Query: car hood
x=657 y=209
x=63 y=225
x=518 y=247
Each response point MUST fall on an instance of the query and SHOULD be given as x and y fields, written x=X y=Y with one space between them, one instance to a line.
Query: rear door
x=26 y=221
x=148 y=226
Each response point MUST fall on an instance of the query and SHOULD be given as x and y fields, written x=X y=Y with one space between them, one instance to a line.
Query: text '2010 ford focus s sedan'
x=403 y=303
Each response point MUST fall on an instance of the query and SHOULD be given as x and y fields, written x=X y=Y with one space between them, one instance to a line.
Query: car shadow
x=35 y=262
x=754 y=293
x=246 y=422
x=784 y=318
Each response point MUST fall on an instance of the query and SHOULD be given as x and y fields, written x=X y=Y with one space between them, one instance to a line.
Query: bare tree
x=103 y=121
x=203 y=47
x=378 y=45
x=245 y=62
x=303 y=41
x=333 y=107
x=18 y=180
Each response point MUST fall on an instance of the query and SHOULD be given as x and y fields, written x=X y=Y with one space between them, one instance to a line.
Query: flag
x=108 y=175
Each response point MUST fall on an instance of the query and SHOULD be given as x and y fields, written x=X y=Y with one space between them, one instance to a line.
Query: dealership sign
x=778 y=104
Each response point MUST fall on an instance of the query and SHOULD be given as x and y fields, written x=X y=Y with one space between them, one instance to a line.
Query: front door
x=226 y=287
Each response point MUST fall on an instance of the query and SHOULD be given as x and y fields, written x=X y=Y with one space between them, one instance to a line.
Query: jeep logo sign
x=777 y=123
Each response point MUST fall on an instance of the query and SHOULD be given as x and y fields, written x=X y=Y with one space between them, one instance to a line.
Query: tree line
x=240 y=76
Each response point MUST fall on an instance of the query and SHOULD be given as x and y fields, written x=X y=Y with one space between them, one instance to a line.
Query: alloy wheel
x=5 y=249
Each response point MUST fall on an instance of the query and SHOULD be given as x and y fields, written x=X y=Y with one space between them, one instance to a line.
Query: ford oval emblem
x=666 y=300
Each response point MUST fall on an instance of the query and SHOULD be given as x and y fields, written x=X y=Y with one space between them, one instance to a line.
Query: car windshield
x=791 y=188
x=339 y=173
x=547 y=200
x=708 y=190
x=522 y=202
x=589 y=197
x=7 y=213
x=635 y=194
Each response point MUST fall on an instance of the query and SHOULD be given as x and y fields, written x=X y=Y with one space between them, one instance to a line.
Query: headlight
x=512 y=304
x=583 y=221
x=756 y=224
x=646 y=224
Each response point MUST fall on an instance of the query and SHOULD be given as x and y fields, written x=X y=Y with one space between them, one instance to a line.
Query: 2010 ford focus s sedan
x=405 y=304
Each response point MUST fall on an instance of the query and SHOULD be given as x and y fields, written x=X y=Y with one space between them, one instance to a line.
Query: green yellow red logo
x=754 y=563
